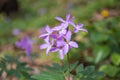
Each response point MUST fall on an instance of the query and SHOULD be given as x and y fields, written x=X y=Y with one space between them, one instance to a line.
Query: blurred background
x=100 y=47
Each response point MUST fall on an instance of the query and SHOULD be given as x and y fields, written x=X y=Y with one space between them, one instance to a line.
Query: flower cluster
x=59 y=37
x=26 y=44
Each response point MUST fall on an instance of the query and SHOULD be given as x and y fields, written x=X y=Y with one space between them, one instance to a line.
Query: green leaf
x=100 y=53
x=87 y=79
x=89 y=70
x=87 y=73
x=109 y=70
x=115 y=58
x=21 y=70
x=55 y=68
x=54 y=72
x=48 y=76
x=80 y=68
x=98 y=37
x=72 y=66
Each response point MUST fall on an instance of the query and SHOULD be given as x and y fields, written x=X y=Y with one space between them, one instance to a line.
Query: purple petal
x=80 y=25
x=82 y=29
x=65 y=25
x=73 y=44
x=71 y=19
x=60 y=37
x=25 y=43
x=43 y=46
x=28 y=49
x=76 y=30
x=71 y=23
x=47 y=39
x=54 y=36
x=67 y=17
x=66 y=48
x=55 y=49
x=60 y=19
x=56 y=28
x=48 y=50
x=63 y=31
x=60 y=43
x=48 y=29
x=18 y=44
x=43 y=35
x=61 y=54
x=68 y=36
x=30 y=42
x=42 y=30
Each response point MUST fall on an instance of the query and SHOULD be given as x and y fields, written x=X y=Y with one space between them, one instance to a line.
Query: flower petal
x=80 y=25
x=55 y=49
x=64 y=25
x=56 y=28
x=60 y=43
x=63 y=31
x=48 y=49
x=48 y=29
x=47 y=39
x=60 y=19
x=28 y=49
x=18 y=44
x=67 y=17
x=76 y=30
x=43 y=46
x=43 y=35
x=66 y=48
x=82 y=29
x=68 y=36
x=71 y=23
x=54 y=36
x=61 y=54
x=73 y=44
x=71 y=19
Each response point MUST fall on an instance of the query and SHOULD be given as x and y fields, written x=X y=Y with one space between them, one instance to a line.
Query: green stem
x=68 y=67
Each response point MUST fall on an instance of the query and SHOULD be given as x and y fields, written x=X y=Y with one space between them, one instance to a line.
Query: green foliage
x=57 y=72
x=20 y=70
x=115 y=59
x=100 y=53
x=87 y=73
x=100 y=37
x=104 y=44
x=104 y=33
x=110 y=70
x=54 y=72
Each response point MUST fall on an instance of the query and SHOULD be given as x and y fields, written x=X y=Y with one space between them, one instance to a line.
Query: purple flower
x=49 y=32
x=61 y=30
x=64 y=46
x=48 y=46
x=58 y=39
x=69 y=44
x=66 y=22
x=42 y=30
x=60 y=48
x=26 y=44
x=78 y=27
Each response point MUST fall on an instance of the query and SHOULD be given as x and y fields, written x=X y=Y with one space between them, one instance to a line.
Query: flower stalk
x=68 y=66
